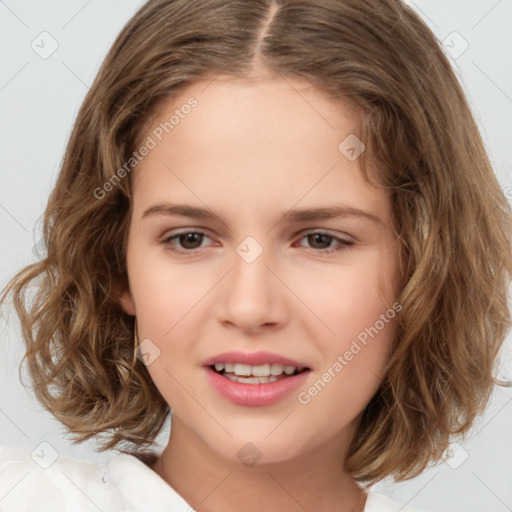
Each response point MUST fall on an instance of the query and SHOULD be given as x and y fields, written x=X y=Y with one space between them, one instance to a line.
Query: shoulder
x=379 y=503
x=41 y=481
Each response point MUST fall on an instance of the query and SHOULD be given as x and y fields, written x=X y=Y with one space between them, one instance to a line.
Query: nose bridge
x=252 y=296
x=250 y=275
x=250 y=272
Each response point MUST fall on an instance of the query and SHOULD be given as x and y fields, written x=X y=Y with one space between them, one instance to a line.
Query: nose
x=252 y=298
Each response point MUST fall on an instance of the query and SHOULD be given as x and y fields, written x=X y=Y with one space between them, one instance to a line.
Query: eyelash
x=343 y=244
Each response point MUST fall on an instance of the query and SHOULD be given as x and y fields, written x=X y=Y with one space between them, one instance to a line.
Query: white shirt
x=124 y=483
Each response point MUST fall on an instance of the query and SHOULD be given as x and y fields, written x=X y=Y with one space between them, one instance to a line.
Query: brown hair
x=452 y=220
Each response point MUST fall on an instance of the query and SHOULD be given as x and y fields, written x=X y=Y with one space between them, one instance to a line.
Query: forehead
x=273 y=110
x=276 y=140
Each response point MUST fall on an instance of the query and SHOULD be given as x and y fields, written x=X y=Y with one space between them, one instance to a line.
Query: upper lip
x=253 y=359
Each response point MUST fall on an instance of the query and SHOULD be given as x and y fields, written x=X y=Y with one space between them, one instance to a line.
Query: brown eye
x=320 y=240
x=324 y=243
x=190 y=240
x=187 y=241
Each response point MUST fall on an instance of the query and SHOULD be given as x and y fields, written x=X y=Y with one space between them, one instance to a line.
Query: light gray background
x=39 y=98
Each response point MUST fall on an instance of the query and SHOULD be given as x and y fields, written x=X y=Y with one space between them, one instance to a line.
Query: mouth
x=255 y=378
x=256 y=374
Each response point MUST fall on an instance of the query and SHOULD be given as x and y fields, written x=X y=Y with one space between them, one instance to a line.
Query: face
x=253 y=231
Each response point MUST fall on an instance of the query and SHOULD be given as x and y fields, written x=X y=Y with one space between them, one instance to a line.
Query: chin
x=258 y=449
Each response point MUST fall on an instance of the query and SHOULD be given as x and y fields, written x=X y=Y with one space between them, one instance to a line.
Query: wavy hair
x=450 y=215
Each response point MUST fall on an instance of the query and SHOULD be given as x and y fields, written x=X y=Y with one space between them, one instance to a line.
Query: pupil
x=319 y=239
x=191 y=240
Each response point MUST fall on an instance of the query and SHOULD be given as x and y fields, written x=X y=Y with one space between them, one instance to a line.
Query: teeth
x=242 y=369
x=276 y=369
x=262 y=370
x=253 y=380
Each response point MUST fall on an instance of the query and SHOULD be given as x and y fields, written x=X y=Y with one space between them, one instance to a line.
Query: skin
x=250 y=153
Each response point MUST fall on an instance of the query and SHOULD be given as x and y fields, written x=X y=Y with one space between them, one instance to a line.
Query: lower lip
x=254 y=395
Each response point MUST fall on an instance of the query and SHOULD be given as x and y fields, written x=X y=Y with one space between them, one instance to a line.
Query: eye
x=321 y=242
x=325 y=242
x=186 y=241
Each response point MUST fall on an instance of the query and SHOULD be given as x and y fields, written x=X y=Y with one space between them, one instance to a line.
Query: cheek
x=167 y=300
x=166 y=293
x=177 y=363
x=355 y=342
x=351 y=373
x=345 y=300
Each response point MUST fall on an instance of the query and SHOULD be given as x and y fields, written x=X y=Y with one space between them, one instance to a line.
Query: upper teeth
x=262 y=370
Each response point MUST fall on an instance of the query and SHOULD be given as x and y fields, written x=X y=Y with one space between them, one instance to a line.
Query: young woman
x=276 y=221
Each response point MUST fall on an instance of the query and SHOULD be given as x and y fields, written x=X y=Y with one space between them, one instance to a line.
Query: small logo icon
x=249 y=455
x=147 y=352
x=39 y=249
x=505 y=371
x=44 y=455
x=249 y=249
x=44 y=45
x=455 y=455
x=351 y=147
x=455 y=44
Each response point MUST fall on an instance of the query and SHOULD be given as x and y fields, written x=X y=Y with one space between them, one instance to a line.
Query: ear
x=123 y=295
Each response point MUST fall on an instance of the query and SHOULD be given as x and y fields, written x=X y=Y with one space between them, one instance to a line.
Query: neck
x=314 y=480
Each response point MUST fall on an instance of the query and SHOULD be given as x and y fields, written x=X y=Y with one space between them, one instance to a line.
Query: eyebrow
x=294 y=215
x=178 y=209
